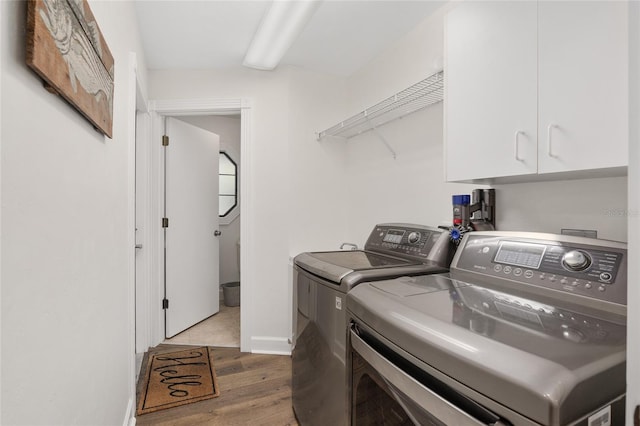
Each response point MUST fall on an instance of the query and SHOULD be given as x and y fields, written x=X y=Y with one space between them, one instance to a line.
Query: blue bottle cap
x=461 y=199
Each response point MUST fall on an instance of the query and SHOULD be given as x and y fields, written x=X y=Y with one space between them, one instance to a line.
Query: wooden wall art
x=67 y=50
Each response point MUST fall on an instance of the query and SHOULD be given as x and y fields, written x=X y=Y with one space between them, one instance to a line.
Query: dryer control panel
x=580 y=266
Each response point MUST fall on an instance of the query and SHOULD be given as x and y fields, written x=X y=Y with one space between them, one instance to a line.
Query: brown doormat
x=177 y=378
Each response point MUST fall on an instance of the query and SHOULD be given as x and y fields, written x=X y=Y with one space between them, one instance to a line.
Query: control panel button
x=573 y=335
x=507 y=269
x=576 y=260
x=528 y=274
x=605 y=276
x=602 y=288
x=517 y=272
x=588 y=286
x=497 y=268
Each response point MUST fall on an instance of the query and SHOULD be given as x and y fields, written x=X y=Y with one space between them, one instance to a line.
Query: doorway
x=194 y=108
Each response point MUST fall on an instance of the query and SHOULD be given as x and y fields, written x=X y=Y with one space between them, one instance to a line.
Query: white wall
x=412 y=188
x=67 y=346
x=599 y=204
x=318 y=181
x=281 y=135
x=228 y=128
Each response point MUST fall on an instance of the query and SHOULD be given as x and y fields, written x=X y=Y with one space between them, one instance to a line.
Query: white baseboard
x=130 y=414
x=270 y=345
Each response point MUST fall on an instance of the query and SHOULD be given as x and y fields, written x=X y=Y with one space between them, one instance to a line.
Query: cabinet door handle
x=515 y=144
x=549 y=151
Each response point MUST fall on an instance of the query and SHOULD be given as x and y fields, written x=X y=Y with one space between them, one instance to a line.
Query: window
x=228 y=186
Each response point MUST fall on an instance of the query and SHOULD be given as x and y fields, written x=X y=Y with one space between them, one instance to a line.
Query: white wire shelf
x=422 y=94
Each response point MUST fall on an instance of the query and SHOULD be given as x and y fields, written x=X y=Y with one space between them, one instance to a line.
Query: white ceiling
x=341 y=37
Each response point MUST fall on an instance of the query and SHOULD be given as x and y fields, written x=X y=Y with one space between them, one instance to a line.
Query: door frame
x=192 y=107
x=137 y=127
x=142 y=210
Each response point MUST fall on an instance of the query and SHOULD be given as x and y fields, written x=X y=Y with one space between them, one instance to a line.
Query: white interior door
x=191 y=246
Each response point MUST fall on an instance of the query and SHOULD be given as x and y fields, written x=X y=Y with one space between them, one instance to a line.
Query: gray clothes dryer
x=526 y=329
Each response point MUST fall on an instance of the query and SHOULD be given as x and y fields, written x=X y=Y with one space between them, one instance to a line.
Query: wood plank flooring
x=254 y=390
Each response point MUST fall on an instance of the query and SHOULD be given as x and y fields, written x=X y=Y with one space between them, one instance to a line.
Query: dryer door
x=385 y=386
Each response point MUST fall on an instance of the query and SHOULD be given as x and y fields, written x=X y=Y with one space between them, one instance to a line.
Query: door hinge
x=165 y=303
x=165 y=140
x=165 y=222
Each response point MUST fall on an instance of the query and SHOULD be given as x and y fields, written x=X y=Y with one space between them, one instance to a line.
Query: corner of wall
x=633 y=216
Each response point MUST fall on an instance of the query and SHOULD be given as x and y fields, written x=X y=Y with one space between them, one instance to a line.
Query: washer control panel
x=583 y=266
x=402 y=239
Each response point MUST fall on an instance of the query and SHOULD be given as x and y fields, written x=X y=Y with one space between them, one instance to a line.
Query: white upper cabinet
x=491 y=90
x=534 y=88
x=582 y=85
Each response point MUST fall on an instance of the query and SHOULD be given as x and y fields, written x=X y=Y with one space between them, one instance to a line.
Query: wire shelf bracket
x=384 y=141
x=422 y=94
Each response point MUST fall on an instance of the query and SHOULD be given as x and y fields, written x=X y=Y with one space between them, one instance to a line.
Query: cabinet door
x=583 y=85
x=491 y=90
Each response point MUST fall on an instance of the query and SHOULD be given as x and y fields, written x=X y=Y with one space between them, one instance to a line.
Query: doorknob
x=217 y=233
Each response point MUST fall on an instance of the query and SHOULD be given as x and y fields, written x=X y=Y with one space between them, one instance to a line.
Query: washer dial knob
x=413 y=238
x=576 y=260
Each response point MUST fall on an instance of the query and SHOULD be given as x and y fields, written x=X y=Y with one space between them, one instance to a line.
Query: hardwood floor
x=254 y=390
